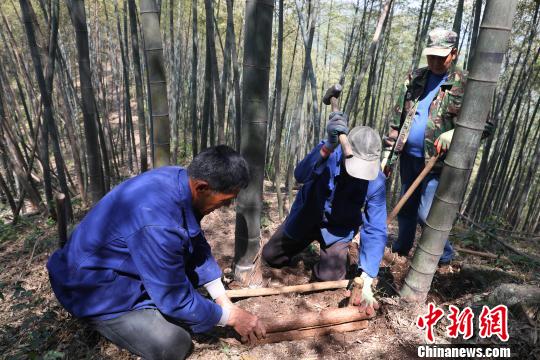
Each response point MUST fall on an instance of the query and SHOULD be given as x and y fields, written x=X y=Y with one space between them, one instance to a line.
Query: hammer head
x=333 y=91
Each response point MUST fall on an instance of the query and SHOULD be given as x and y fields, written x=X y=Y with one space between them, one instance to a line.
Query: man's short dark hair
x=224 y=169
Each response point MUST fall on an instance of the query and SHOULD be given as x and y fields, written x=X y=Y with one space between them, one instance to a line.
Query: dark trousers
x=146 y=333
x=416 y=209
x=280 y=249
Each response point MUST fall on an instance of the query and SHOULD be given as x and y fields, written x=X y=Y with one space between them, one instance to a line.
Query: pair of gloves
x=337 y=124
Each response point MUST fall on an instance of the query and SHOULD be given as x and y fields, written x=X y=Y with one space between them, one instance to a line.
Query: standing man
x=328 y=208
x=131 y=266
x=421 y=126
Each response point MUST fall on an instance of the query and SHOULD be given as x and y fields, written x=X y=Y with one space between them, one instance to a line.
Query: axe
x=331 y=97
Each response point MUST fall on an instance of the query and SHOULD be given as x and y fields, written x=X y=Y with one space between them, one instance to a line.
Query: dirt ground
x=33 y=324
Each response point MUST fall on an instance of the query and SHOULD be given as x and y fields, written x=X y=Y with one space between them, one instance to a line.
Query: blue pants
x=416 y=209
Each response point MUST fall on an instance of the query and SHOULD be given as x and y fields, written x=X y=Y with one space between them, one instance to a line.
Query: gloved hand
x=367 y=300
x=390 y=139
x=443 y=141
x=337 y=124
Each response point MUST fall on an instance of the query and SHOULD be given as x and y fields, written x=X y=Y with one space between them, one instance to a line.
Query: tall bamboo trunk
x=492 y=45
x=16 y=159
x=236 y=84
x=159 y=111
x=45 y=88
x=131 y=132
x=96 y=187
x=456 y=27
x=423 y=33
x=220 y=100
x=257 y=46
x=208 y=102
x=138 y=84
x=127 y=95
x=193 y=86
x=45 y=100
x=474 y=33
x=277 y=114
x=381 y=24
x=229 y=40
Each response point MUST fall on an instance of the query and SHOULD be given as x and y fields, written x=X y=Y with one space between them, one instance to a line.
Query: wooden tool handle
x=334 y=104
x=411 y=188
x=345 y=146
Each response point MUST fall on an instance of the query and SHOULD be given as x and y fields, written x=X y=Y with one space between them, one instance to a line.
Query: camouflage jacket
x=443 y=111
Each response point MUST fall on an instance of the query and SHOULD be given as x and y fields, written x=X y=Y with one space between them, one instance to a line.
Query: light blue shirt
x=415 y=140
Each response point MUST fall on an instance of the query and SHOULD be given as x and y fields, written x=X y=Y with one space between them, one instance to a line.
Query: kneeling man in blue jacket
x=339 y=198
x=131 y=267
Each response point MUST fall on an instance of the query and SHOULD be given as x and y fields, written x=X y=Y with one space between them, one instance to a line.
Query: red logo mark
x=428 y=321
x=460 y=322
x=494 y=322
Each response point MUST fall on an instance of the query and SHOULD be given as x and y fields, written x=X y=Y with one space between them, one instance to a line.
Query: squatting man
x=131 y=267
x=339 y=198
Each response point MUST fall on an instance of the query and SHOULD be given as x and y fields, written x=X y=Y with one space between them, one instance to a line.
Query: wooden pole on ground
x=299 y=334
x=310 y=320
x=317 y=286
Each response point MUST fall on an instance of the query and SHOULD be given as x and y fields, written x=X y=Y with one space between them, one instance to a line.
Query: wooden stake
x=317 y=286
x=61 y=219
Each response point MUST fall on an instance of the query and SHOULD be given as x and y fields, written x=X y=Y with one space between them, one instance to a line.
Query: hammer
x=330 y=97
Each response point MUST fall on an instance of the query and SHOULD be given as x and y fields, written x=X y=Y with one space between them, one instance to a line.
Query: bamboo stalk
x=308 y=333
x=311 y=320
x=318 y=286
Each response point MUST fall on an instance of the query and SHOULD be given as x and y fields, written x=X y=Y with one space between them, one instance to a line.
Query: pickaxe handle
x=411 y=188
x=345 y=146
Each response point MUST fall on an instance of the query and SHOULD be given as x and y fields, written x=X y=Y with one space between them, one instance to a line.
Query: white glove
x=367 y=301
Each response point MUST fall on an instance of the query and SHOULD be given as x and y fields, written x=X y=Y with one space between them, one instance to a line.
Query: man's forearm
x=226 y=307
x=217 y=292
x=215 y=288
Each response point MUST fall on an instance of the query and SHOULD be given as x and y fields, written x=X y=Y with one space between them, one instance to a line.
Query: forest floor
x=34 y=325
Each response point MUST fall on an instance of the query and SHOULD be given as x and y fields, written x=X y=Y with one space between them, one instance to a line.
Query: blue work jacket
x=141 y=246
x=333 y=201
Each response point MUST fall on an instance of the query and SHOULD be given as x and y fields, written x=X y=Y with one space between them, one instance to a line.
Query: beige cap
x=366 y=147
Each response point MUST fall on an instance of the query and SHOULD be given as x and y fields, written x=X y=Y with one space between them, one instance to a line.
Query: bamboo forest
x=269 y=179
